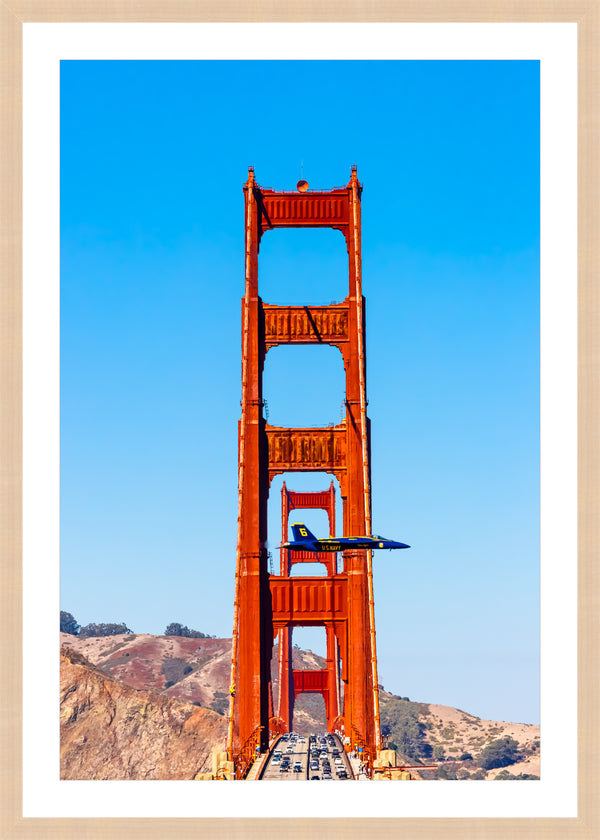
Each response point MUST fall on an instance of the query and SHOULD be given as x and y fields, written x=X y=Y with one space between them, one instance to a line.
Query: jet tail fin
x=301 y=532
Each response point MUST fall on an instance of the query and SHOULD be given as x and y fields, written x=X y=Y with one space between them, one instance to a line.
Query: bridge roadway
x=313 y=759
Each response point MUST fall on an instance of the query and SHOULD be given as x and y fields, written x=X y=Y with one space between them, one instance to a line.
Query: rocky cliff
x=113 y=731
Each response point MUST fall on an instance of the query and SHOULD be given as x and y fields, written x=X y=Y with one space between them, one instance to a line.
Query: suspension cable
x=365 y=454
x=236 y=602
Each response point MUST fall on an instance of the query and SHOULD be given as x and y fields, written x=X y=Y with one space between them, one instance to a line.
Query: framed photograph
x=471 y=129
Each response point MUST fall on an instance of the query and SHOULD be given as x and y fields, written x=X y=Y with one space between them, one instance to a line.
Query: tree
x=176 y=629
x=400 y=720
x=499 y=753
x=104 y=630
x=438 y=752
x=68 y=623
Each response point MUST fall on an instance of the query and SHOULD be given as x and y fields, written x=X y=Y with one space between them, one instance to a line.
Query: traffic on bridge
x=318 y=757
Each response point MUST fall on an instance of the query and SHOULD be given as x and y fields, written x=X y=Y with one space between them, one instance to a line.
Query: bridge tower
x=342 y=602
x=326 y=681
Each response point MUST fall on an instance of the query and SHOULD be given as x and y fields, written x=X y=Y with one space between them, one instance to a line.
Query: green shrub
x=400 y=722
x=174 y=669
x=446 y=773
x=499 y=753
x=504 y=775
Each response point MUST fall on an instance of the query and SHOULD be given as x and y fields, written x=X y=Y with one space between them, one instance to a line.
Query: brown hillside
x=112 y=731
x=199 y=670
x=458 y=733
x=167 y=669
x=191 y=670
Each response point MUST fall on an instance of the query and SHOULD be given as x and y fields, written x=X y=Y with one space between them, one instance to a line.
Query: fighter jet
x=304 y=540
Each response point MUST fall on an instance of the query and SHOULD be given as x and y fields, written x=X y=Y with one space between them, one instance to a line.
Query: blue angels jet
x=304 y=540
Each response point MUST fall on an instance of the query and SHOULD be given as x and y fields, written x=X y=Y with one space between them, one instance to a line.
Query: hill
x=182 y=684
x=191 y=670
x=112 y=731
x=430 y=733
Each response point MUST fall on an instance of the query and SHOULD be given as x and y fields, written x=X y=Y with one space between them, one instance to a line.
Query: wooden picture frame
x=15 y=13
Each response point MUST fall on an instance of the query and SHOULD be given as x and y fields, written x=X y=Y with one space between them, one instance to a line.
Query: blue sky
x=153 y=159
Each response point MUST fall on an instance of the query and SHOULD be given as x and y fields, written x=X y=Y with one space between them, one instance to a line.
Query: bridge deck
x=316 y=768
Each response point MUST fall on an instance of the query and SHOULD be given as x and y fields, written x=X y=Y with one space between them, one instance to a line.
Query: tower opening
x=301 y=267
x=304 y=386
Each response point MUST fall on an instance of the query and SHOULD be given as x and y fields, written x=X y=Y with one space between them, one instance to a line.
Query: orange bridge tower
x=266 y=605
x=294 y=682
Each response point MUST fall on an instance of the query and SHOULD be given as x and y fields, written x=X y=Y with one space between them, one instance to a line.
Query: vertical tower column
x=253 y=635
x=360 y=705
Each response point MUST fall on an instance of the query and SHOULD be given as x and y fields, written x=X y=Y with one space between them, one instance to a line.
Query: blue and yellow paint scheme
x=305 y=540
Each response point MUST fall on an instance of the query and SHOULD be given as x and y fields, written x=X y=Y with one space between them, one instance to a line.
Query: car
x=276 y=759
x=315 y=778
x=342 y=774
x=314 y=765
x=338 y=760
x=284 y=768
x=297 y=767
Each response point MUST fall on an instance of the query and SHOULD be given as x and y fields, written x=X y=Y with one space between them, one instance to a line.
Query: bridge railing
x=244 y=759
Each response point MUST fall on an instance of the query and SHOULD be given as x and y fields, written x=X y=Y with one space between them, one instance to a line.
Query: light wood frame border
x=13 y=13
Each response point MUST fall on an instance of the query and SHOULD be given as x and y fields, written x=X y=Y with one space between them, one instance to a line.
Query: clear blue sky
x=153 y=159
